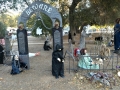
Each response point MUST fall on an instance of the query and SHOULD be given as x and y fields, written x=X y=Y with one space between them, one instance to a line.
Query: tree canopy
x=74 y=12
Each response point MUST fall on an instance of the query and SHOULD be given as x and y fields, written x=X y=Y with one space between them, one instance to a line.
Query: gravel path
x=39 y=76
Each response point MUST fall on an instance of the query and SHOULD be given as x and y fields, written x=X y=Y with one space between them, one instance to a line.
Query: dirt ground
x=39 y=76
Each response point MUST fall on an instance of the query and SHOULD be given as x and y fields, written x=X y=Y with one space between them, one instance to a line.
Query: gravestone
x=57 y=37
x=23 y=46
x=7 y=43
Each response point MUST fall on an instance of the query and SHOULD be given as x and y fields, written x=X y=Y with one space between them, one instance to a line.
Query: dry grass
x=39 y=76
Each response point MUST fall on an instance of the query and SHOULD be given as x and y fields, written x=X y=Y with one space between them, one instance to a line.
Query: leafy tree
x=34 y=22
x=106 y=11
x=99 y=12
x=2 y=30
x=10 y=21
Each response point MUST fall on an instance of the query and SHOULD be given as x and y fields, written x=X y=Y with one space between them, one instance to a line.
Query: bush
x=2 y=30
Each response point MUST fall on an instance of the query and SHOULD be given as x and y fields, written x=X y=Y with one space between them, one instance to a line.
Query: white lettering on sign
x=29 y=11
x=35 y=7
x=40 y=6
x=49 y=10
x=43 y=7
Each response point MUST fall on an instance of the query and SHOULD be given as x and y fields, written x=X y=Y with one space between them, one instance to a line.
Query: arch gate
x=35 y=7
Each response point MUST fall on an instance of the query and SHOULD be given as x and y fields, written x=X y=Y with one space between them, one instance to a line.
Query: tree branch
x=26 y=2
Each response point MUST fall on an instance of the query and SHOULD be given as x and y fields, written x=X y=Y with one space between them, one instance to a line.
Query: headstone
x=57 y=37
x=57 y=68
x=7 y=43
x=23 y=46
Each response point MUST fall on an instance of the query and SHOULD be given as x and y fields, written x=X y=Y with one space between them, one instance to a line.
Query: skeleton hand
x=58 y=59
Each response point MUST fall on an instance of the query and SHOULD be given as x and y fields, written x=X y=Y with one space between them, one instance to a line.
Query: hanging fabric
x=39 y=31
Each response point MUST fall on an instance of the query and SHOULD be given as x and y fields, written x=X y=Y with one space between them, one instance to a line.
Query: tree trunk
x=72 y=18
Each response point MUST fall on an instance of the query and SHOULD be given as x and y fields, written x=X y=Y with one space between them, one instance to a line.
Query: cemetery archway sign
x=39 y=6
x=52 y=13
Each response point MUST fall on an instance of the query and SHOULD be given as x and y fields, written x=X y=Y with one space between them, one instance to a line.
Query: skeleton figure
x=84 y=33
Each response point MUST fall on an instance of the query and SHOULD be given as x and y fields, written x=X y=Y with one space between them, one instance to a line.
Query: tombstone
x=23 y=46
x=57 y=37
x=7 y=43
x=57 y=68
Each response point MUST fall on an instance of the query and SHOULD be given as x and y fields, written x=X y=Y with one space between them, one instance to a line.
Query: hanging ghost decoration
x=39 y=31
